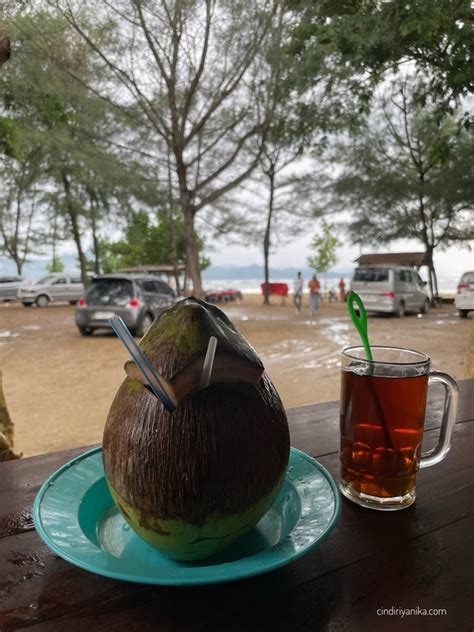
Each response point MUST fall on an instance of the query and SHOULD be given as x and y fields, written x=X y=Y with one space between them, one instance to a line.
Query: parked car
x=223 y=296
x=464 y=299
x=138 y=299
x=56 y=287
x=10 y=286
x=391 y=289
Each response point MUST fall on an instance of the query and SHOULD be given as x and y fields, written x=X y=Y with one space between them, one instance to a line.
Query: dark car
x=138 y=299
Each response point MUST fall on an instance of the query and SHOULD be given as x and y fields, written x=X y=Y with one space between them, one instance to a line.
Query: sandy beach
x=59 y=385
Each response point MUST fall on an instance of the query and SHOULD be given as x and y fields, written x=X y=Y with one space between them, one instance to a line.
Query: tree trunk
x=11 y=248
x=187 y=208
x=429 y=256
x=266 y=238
x=174 y=254
x=95 y=240
x=15 y=250
x=71 y=211
x=55 y=236
x=185 y=280
x=435 y=279
x=172 y=225
x=192 y=252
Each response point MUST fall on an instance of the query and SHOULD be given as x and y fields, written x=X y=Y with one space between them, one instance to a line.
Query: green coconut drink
x=192 y=481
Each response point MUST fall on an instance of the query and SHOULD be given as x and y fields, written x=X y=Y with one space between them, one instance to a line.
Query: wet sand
x=59 y=385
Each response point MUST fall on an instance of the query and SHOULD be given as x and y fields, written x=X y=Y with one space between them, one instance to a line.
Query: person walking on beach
x=342 y=290
x=314 y=295
x=298 y=292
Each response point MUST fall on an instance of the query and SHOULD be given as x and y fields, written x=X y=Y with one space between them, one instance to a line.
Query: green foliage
x=46 y=113
x=367 y=38
x=324 y=246
x=72 y=163
x=8 y=138
x=145 y=242
x=55 y=265
x=407 y=175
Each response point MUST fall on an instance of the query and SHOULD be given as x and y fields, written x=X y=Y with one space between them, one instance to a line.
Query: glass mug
x=383 y=406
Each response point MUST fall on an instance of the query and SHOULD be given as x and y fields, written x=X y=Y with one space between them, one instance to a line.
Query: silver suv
x=391 y=289
x=58 y=286
x=138 y=299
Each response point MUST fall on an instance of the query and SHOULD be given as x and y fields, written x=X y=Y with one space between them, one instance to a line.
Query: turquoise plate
x=74 y=514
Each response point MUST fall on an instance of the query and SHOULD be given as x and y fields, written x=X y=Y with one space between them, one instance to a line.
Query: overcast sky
x=450 y=263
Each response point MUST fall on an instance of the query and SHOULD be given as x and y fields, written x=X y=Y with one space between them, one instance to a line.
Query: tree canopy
x=59 y=135
x=324 y=246
x=168 y=117
x=370 y=38
x=195 y=75
x=406 y=175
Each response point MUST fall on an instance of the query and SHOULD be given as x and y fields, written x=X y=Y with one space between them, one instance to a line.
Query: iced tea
x=382 y=422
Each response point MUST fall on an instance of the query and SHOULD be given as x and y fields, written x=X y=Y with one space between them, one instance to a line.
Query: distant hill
x=256 y=272
x=36 y=268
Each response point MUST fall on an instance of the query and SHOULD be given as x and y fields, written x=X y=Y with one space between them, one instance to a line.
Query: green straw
x=360 y=323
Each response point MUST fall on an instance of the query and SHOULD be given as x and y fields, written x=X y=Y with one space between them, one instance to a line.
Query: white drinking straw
x=141 y=361
x=208 y=363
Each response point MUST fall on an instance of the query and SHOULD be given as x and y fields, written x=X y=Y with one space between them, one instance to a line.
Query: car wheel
x=400 y=311
x=145 y=325
x=42 y=300
x=425 y=307
x=463 y=313
x=85 y=331
x=27 y=304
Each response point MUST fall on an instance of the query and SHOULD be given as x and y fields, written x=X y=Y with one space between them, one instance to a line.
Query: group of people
x=314 y=293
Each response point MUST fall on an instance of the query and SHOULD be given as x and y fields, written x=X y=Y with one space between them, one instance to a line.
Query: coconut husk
x=221 y=451
x=179 y=336
x=176 y=346
x=226 y=368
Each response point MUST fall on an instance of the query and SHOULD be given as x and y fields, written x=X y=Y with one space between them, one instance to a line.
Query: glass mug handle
x=441 y=449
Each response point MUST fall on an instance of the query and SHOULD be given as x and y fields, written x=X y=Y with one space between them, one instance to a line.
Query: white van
x=464 y=300
x=391 y=289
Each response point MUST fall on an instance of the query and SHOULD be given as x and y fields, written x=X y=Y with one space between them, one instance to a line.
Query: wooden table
x=421 y=557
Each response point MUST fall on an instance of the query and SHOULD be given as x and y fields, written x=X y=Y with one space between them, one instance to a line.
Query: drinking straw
x=141 y=361
x=208 y=363
x=360 y=323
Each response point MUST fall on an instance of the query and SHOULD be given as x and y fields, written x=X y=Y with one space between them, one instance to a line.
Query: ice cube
x=385 y=462
x=361 y=455
x=406 y=461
